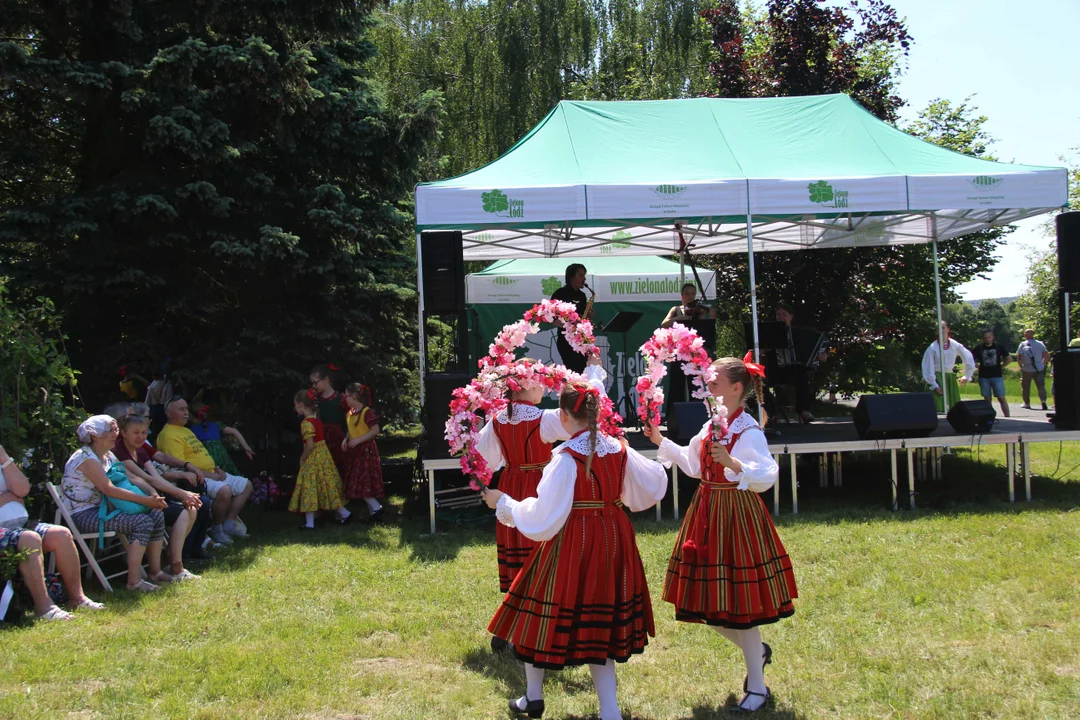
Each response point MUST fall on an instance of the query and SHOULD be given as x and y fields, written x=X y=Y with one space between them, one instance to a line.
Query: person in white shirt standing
x=936 y=379
x=1032 y=356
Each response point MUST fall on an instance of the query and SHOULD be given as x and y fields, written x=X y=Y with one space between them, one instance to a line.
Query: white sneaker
x=235 y=529
x=218 y=535
x=184 y=576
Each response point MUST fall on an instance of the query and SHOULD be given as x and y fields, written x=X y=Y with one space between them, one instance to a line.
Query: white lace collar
x=744 y=421
x=522 y=413
x=604 y=444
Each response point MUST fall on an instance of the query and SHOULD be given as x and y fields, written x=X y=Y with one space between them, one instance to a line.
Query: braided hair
x=583 y=409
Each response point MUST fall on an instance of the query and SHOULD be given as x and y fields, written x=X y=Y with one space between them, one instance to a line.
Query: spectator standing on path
x=992 y=357
x=1032 y=356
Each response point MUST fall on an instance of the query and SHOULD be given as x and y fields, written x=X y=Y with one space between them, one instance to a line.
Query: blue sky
x=1019 y=60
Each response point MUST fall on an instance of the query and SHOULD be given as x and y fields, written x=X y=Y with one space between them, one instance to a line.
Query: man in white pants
x=229 y=492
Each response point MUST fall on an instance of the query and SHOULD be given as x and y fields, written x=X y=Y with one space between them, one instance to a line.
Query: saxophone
x=587 y=315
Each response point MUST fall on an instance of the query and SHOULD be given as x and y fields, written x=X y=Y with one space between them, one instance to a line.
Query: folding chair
x=63 y=517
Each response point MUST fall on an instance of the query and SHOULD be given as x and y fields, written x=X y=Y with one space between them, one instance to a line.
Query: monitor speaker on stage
x=972 y=417
x=443 y=267
x=1066 y=390
x=1068 y=248
x=900 y=415
x=686 y=419
x=438 y=389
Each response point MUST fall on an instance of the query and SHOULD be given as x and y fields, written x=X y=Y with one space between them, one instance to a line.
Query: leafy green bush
x=39 y=404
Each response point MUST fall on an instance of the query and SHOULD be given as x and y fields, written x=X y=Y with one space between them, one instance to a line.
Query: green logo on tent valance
x=617 y=242
x=985 y=182
x=550 y=285
x=497 y=203
x=824 y=195
x=669 y=192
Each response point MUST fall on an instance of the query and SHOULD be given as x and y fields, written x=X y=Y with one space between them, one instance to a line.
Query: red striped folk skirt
x=729 y=567
x=582 y=597
x=519 y=482
x=364 y=477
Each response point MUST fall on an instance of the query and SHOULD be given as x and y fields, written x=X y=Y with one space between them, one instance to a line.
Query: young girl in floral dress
x=581 y=597
x=330 y=409
x=364 y=476
x=729 y=569
x=318 y=485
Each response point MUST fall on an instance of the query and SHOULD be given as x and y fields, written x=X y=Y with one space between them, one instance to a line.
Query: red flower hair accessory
x=752 y=367
x=203 y=412
x=582 y=392
x=123 y=371
x=311 y=393
x=332 y=366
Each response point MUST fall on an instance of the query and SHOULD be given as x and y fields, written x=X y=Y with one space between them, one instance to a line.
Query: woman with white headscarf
x=86 y=484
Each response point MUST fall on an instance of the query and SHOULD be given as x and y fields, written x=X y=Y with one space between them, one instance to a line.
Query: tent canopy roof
x=815 y=171
x=599 y=266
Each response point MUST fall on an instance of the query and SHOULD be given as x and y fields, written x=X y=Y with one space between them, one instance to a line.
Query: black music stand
x=621 y=324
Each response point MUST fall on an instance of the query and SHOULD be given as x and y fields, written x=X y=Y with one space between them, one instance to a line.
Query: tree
x=876 y=303
x=216 y=183
x=992 y=316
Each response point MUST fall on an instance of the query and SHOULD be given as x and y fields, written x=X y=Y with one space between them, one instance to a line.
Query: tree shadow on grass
x=730 y=709
x=509 y=671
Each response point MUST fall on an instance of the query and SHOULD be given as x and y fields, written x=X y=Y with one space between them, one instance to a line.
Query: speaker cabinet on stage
x=1066 y=390
x=1068 y=248
x=443 y=267
x=972 y=417
x=685 y=420
x=438 y=389
x=901 y=415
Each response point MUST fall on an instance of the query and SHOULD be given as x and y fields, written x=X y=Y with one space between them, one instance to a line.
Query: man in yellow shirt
x=177 y=440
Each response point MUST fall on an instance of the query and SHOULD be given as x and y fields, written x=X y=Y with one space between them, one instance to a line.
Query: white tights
x=749 y=641
x=603 y=677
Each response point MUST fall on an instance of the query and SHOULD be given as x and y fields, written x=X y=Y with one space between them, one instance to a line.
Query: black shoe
x=1044 y=406
x=347 y=519
x=377 y=515
x=306 y=527
x=533 y=708
x=766 y=656
x=498 y=645
x=767 y=695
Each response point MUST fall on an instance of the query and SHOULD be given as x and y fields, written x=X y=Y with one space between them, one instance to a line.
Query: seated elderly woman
x=87 y=484
x=42 y=538
x=182 y=511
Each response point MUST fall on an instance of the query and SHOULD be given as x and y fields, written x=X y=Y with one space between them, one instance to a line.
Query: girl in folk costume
x=318 y=485
x=936 y=379
x=330 y=408
x=581 y=597
x=729 y=569
x=518 y=439
x=363 y=478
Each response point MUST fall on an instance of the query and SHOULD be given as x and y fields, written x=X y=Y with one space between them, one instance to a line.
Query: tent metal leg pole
x=941 y=333
x=753 y=285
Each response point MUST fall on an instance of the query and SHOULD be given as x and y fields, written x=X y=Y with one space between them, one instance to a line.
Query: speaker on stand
x=1066 y=363
x=972 y=417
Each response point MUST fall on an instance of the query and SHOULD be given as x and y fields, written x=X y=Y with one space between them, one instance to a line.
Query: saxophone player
x=572 y=292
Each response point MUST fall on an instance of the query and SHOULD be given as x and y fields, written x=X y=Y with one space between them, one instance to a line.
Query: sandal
x=767 y=695
x=143 y=586
x=184 y=576
x=55 y=613
x=162 y=578
x=88 y=604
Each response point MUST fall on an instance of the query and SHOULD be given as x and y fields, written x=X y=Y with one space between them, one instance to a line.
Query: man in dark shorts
x=992 y=357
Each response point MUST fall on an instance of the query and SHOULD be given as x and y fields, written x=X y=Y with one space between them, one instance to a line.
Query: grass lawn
x=965 y=608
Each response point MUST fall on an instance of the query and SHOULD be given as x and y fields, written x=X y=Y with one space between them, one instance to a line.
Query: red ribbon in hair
x=581 y=396
x=203 y=412
x=311 y=393
x=123 y=371
x=752 y=367
x=332 y=366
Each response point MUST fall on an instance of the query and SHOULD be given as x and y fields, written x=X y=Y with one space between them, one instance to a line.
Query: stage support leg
x=892 y=458
x=675 y=488
x=1011 y=469
x=937 y=463
x=794 y=460
x=838 y=471
x=776 y=489
x=911 y=477
x=431 y=498
x=823 y=470
x=1027 y=469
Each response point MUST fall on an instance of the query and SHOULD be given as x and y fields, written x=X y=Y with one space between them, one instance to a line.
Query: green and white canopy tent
x=734 y=175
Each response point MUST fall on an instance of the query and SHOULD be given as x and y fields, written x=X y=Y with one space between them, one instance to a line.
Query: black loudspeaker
x=1068 y=248
x=438 y=389
x=972 y=417
x=1066 y=390
x=443 y=267
x=902 y=415
x=685 y=420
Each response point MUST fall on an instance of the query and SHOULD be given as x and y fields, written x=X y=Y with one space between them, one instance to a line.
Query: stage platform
x=830 y=438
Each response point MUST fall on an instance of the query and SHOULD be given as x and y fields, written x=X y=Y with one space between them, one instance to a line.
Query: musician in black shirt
x=785 y=369
x=572 y=293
